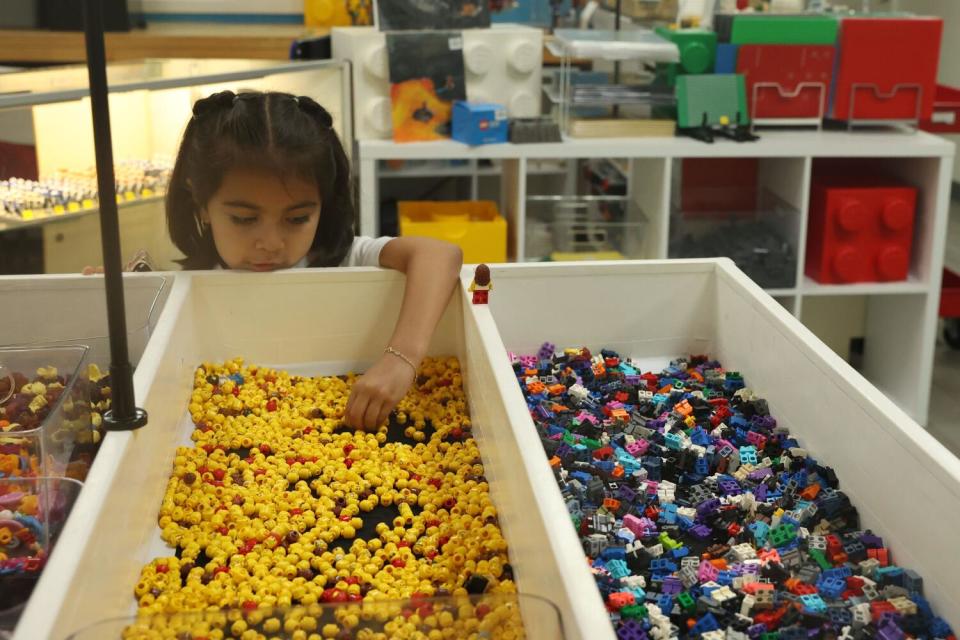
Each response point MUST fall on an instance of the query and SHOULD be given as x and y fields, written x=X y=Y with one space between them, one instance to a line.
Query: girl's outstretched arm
x=433 y=269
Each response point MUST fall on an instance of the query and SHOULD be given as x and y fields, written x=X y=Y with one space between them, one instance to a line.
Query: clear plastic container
x=494 y=617
x=760 y=240
x=46 y=409
x=32 y=514
x=33 y=310
x=584 y=228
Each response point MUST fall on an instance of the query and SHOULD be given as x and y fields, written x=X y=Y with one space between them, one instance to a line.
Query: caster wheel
x=951 y=332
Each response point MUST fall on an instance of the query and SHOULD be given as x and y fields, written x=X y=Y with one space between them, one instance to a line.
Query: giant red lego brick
x=786 y=81
x=860 y=230
x=887 y=68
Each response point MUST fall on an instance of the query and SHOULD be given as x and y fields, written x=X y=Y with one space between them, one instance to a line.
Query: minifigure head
x=261 y=181
x=482 y=275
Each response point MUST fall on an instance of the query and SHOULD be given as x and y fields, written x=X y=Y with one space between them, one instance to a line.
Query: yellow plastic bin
x=475 y=226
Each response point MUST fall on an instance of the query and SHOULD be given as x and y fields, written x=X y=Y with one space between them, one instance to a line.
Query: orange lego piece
x=810 y=492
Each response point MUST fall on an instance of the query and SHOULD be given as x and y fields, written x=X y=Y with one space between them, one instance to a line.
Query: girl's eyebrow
x=242 y=204
x=302 y=205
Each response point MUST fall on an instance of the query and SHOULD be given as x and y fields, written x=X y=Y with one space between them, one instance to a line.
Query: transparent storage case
x=32 y=514
x=496 y=617
x=583 y=228
x=46 y=410
x=738 y=208
x=32 y=316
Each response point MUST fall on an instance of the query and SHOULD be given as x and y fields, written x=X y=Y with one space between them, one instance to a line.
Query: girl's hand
x=378 y=392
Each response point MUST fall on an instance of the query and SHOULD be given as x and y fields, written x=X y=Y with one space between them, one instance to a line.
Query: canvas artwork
x=337 y=13
x=406 y=15
x=426 y=77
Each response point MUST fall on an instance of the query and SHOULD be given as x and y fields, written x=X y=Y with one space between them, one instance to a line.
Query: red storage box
x=860 y=231
x=786 y=81
x=950 y=295
x=946 y=111
x=887 y=68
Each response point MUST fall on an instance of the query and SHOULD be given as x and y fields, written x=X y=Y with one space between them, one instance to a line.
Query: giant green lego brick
x=698 y=48
x=772 y=29
x=720 y=97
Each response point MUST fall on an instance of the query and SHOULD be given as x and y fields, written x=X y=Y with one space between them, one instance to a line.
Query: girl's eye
x=299 y=219
x=243 y=220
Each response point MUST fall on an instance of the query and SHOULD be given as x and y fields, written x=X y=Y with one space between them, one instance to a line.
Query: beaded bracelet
x=394 y=352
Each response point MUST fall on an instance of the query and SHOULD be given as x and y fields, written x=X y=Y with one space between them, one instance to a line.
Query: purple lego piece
x=708 y=506
x=759 y=474
x=631 y=630
x=701 y=532
x=730 y=487
x=546 y=351
x=870 y=540
x=671 y=586
x=887 y=629
x=760 y=493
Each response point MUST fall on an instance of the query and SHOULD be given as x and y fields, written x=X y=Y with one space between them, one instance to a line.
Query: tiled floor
x=945 y=398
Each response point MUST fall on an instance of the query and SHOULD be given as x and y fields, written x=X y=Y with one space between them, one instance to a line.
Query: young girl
x=261 y=183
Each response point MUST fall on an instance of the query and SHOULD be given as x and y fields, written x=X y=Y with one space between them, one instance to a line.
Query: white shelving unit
x=901 y=316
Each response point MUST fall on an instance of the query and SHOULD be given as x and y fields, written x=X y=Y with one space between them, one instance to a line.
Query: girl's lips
x=265 y=266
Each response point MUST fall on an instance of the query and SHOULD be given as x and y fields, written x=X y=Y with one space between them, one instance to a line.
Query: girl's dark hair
x=290 y=135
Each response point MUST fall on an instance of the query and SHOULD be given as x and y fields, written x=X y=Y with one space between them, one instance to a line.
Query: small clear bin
x=583 y=228
x=45 y=405
x=33 y=321
x=32 y=514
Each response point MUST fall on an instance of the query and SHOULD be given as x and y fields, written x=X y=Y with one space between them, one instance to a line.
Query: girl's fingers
x=356 y=408
x=384 y=413
x=371 y=414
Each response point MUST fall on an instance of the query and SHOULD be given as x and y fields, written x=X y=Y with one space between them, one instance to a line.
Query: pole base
x=137 y=421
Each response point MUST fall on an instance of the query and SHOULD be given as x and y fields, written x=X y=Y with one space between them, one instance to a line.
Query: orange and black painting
x=405 y=15
x=426 y=77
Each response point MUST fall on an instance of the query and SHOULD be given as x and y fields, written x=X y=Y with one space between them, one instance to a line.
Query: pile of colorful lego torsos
x=700 y=516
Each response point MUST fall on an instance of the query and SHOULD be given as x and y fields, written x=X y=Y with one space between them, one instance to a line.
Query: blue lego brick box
x=476 y=123
x=726 y=61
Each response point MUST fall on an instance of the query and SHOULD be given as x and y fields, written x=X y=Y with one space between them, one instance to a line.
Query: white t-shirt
x=365 y=251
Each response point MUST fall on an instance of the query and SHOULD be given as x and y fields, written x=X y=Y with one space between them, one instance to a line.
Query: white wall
x=949 y=10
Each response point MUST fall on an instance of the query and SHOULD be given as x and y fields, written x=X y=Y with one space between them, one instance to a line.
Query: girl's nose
x=270 y=240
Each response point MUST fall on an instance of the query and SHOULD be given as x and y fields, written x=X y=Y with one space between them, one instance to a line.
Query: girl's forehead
x=263 y=185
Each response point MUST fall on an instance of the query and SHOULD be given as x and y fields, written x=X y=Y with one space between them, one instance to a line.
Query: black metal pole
x=124 y=414
x=616 y=65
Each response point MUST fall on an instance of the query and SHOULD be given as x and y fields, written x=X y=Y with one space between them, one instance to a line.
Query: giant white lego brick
x=503 y=64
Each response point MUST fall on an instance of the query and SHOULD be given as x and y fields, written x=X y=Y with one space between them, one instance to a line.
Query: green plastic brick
x=634 y=611
x=718 y=96
x=784 y=30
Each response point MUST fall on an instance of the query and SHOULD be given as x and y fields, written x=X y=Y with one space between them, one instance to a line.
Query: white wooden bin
x=904 y=483
x=322 y=321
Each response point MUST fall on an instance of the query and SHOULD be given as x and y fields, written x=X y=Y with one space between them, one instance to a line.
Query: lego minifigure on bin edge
x=481 y=285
